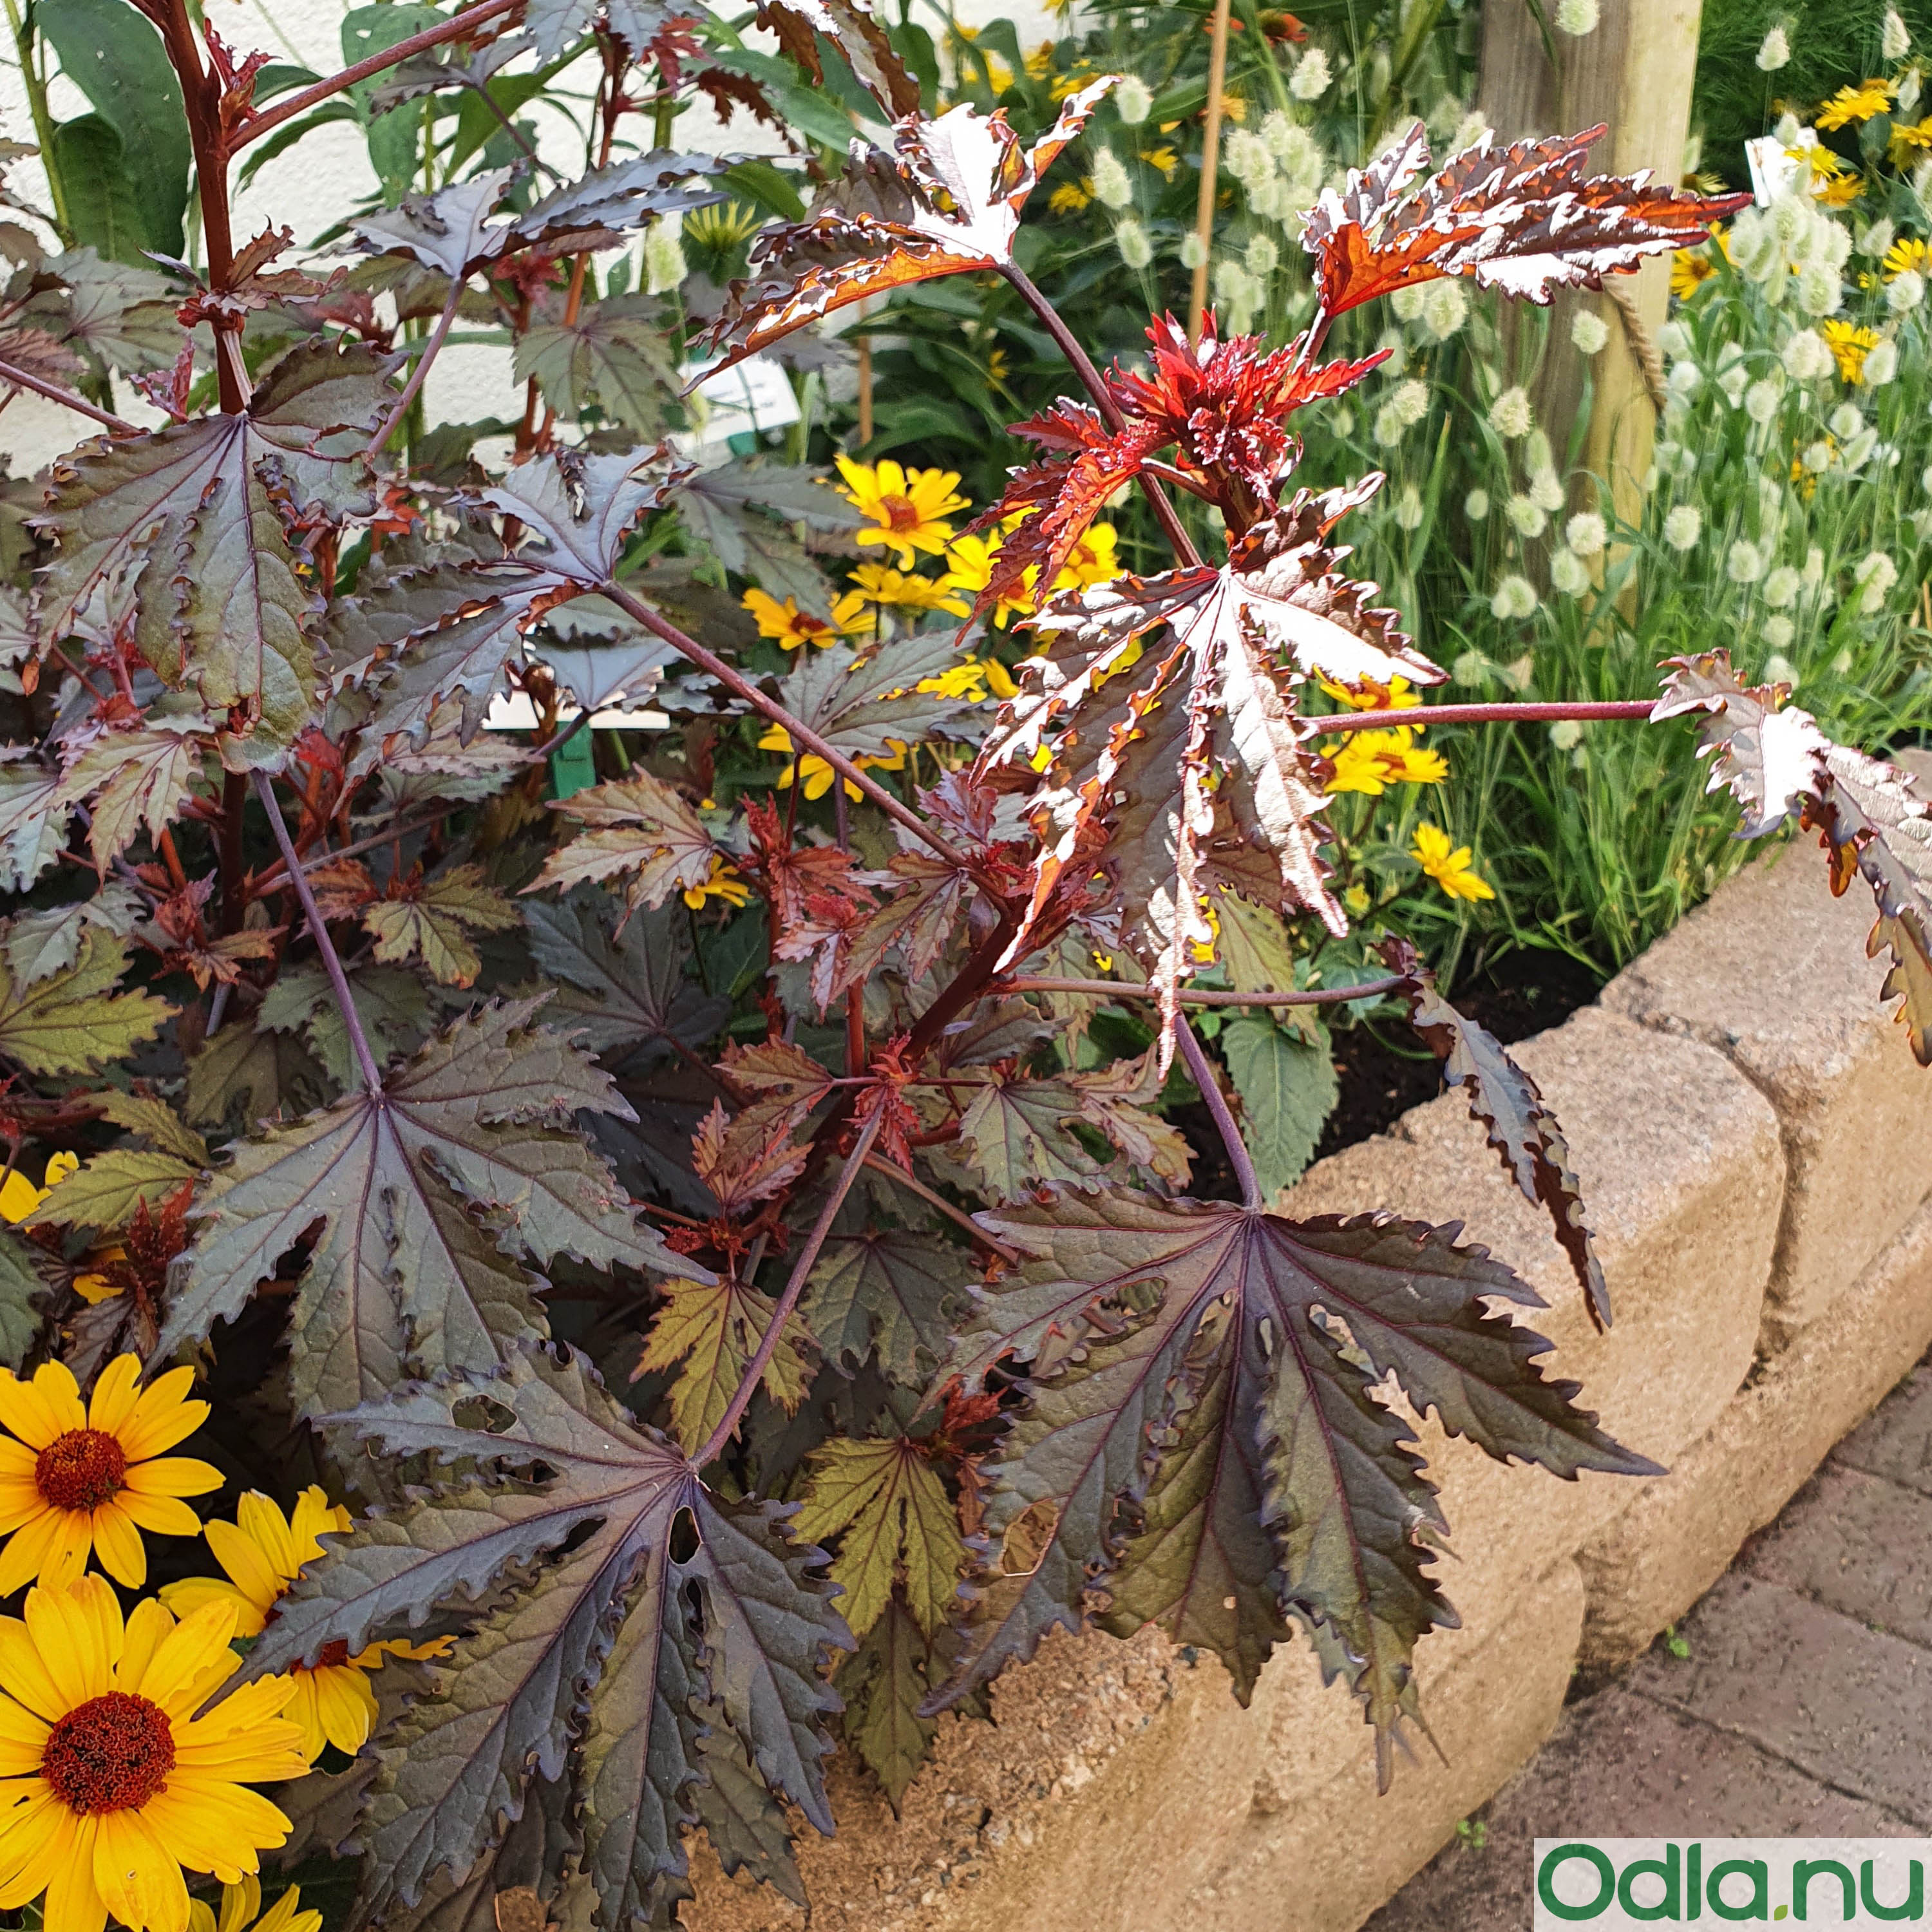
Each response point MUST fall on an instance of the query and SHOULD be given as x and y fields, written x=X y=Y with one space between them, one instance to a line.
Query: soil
x=1384 y=1070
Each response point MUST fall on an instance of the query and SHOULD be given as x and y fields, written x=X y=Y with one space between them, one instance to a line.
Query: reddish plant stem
x=1113 y=989
x=274 y=881
x=913 y=1185
x=331 y=965
x=803 y=738
x=234 y=885
x=1584 y=710
x=459 y=28
x=802 y=1268
x=412 y=387
x=1071 y=347
x=201 y=94
x=1202 y=1072
x=67 y=400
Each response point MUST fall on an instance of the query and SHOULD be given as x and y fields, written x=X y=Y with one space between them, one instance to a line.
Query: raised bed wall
x=1755 y=1144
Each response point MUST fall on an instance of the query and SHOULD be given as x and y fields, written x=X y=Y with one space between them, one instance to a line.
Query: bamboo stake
x=1210 y=164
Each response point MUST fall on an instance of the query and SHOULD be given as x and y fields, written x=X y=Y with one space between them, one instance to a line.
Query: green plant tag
x=572 y=769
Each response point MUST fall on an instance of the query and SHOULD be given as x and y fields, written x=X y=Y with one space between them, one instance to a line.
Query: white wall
x=315 y=184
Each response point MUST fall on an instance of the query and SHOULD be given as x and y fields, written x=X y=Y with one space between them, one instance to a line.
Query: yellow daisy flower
x=1073 y=197
x=1849 y=344
x=878 y=584
x=1450 y=870
x=114 y=1785
x=724 y=883
x=906 y=509
x=241 y=1911
x=19 y=1196
x=1907 y=253
x=970 y=568
x=971 y=680
x=1094 y=560
x=790 y=628
x=81 y=1480
x=1861 y=103
x=997 y=367
x=1909 y=137
x=1690 y=268
x=263 y=1552
x=815 y=775
x=1163 y=158
x=1840 y=193
x=1396 y=695
x=1369 y=762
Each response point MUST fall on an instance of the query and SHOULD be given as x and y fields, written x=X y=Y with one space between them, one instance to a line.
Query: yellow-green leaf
x=887 y=1504
x=73 y=1022
x=714 y=1332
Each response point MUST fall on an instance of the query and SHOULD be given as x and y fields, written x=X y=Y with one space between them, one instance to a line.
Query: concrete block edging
x=1755 y=1146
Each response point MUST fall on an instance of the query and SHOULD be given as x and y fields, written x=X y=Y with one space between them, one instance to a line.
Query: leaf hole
x=685 y=1541
x=1027 y=1537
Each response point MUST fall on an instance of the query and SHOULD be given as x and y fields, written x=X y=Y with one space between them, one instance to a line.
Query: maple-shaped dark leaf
x=393 y=1006
x=855 y=31
x=190 y=523
x=640 y=825
x=580 y=507
x=1224 y=406
x=1162 y=717
x=623 y=985
x=749 y=515
x=403 y=1275
x=1146 y=1323
x=554 y=25
x=746 y=1825
x=613 y=357
x=945 y=197
x=33 y=822
x=452 y=231
x=638 y=1594
x=21 y=1288
x=1509 y=1103
x=1526 y=218
x=74 y=1021
x=119 y=317
x=890 y=1291
x=1775 y=761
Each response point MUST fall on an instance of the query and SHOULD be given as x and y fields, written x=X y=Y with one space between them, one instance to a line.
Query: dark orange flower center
x=80 y=1470
x=902 y=513
x=112 y=1754
x=333 y=1653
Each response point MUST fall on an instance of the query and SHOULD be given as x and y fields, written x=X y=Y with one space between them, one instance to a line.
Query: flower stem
x=1202 y=1073
x=1584 y=709
x=338 y=980
x=728 y=1422
x=1114 y=989
x=11 y=372
x=1071 y=347
x=458 y=28
x=802 y=736
x=412 y=387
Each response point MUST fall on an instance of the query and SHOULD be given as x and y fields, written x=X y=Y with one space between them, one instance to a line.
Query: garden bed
x=1719 y=1098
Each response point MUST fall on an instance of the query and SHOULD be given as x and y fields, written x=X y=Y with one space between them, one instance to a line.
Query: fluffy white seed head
x=1526 y=518
x=1588 y=332
x=1569 y=574
x=1782 y=586
x=1586 y=533
x=1113 y=186
x=1683 y=526
x=1133 y=101
x=1510 y=416
x=1515 y=598
x=1744 y=562
x=1775 y=50
x=1311 y=78
x=1476 y=506
x=1135 y=245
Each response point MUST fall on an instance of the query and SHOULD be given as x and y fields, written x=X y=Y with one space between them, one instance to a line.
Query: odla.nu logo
x=1614 y=1883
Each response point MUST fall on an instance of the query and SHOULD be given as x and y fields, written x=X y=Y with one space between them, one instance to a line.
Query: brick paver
x=1802 y=1706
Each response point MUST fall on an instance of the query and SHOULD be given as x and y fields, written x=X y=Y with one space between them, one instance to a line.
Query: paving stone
x=1896 y=1442
x=1681 y=1533
x=1848 y=1706
x=1772 y=971
x=1621 y=1765
x=1857 y=1543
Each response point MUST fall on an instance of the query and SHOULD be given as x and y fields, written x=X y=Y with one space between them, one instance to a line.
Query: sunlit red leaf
x=1775 y=761
x=1526 y=219
x=1223 y=406
x=945 y=197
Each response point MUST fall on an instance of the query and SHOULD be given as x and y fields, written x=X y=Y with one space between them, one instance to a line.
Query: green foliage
x=436 y=853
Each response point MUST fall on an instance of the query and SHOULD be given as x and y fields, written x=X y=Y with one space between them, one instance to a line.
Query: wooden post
x=1210 y=167
x=1635 y=72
